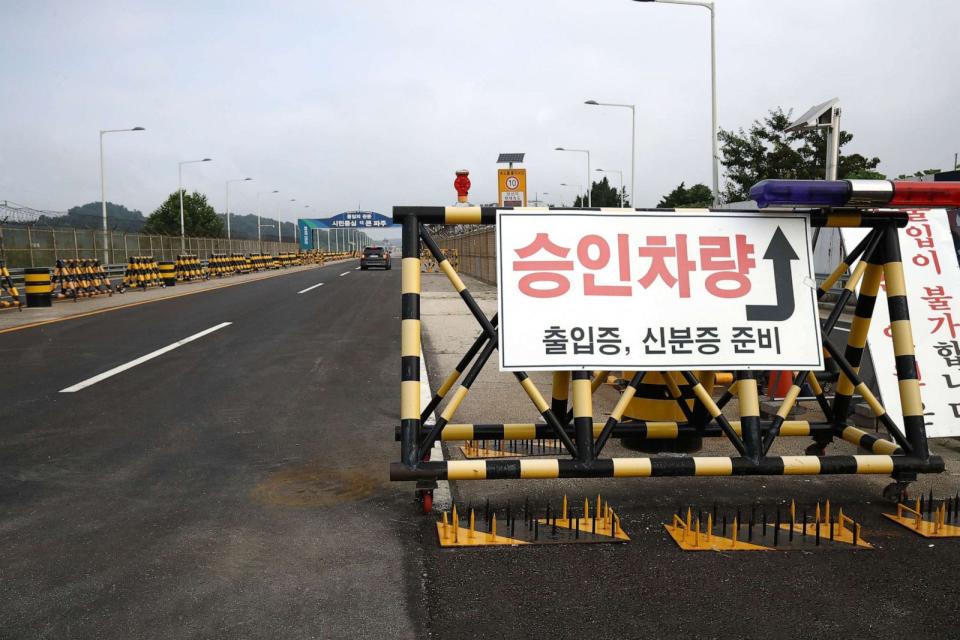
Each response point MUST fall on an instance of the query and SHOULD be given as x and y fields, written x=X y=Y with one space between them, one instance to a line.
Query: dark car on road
x=375 y=257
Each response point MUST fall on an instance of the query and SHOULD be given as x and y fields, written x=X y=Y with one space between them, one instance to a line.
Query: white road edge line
x=441 y=495
x=356 y=268
x=310 y=288
x=150 y=356
x=345 y=273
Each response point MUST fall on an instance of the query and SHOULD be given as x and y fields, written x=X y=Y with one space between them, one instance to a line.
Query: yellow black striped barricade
x=7 y=287
x=168 y=273
x=902 y=455
x=38 y=287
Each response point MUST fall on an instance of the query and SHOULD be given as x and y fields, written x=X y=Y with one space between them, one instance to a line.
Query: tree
x=90 y=216
x=768 y=151
x=200 y=220
x=918 y=174
x=697 y=196
x=603 y=195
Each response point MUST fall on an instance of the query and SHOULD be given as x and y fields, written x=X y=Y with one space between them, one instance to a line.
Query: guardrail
x=32 y=246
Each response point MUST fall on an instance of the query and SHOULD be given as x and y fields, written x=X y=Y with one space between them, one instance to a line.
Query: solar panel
x=510 y=157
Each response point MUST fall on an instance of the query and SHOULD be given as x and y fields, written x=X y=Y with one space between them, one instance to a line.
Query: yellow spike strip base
x=911 y=519
x=569 y=525
x=690 y=540
x=842 y=535
x=472 y=450
x=479 y=452
x=462 y=538
x=605 y=527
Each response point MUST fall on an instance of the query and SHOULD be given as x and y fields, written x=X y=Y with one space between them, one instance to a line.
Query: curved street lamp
x=183 y=232
x=103 y=193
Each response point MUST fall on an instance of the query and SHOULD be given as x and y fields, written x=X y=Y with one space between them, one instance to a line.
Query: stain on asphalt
x=314 y=485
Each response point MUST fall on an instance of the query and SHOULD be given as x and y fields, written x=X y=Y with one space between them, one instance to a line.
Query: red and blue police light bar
x=855 y=193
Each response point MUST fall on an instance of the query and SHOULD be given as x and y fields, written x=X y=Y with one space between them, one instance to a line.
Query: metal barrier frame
x=876 y=257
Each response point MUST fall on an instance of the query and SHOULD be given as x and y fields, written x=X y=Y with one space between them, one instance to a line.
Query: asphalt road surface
x=235 y=486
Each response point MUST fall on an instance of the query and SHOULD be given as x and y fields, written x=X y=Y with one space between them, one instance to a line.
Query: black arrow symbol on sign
x=781 y=252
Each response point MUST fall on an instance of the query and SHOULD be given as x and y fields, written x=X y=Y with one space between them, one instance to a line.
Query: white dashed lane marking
x=319 y=284
x=150 y=356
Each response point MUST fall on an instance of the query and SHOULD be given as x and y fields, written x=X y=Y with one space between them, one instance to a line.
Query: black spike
x=714 y=512
x=536 y=529
x=577 y=531
x=776 y=529
x=831 y=531
x=763 y=519
x=817 y=526
x=930 y=505
x=723 y=532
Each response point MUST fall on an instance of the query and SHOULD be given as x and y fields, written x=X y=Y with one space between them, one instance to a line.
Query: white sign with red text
x=932 y=274
x=619 y=289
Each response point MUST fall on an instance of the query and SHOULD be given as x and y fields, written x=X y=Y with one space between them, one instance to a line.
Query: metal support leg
x=410 y=344
x=583 y=415
x=909 y=383
x=749 y=414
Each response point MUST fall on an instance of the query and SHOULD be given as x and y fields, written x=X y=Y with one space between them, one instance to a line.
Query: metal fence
x=31 y=246
x=478 y=253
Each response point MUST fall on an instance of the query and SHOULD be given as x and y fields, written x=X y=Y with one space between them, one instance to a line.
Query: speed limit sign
x=513 y=187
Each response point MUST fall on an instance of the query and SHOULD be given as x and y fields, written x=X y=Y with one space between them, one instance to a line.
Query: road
x=235 y=486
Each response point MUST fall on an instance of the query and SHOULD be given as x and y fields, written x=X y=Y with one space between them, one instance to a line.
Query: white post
x=183 y=233
x=714 y=146
x=103 y=204
x=589 y=190
x=633 y=158
x=103 y=192
x=713 y=106
x=833 y=143
x=228 y=212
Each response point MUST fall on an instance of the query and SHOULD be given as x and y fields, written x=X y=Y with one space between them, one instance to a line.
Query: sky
x=371 y=104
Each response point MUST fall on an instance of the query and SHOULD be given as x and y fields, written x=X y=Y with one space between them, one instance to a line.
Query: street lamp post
x=280 y=224
x=103 y=193
x=229 y=238
x=633 y=144
x=183 y=231
x=259 y=225
x=620 y=173
x=589 y=194
x=715 y=152
x=578 y=186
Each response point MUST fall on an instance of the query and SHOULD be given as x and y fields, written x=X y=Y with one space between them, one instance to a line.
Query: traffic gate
x=876 y=258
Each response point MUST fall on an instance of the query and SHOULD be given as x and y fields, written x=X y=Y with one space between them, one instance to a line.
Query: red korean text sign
x=932 y=274
x=656 y=291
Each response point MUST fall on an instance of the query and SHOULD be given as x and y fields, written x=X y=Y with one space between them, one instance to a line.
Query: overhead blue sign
x=345 y=220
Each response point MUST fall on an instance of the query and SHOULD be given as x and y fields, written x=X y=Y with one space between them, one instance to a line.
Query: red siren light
x=925 y=194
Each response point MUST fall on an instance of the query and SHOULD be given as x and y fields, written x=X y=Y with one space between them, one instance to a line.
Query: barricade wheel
x=896 y=492
x=426 y=502
x=816 y=449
